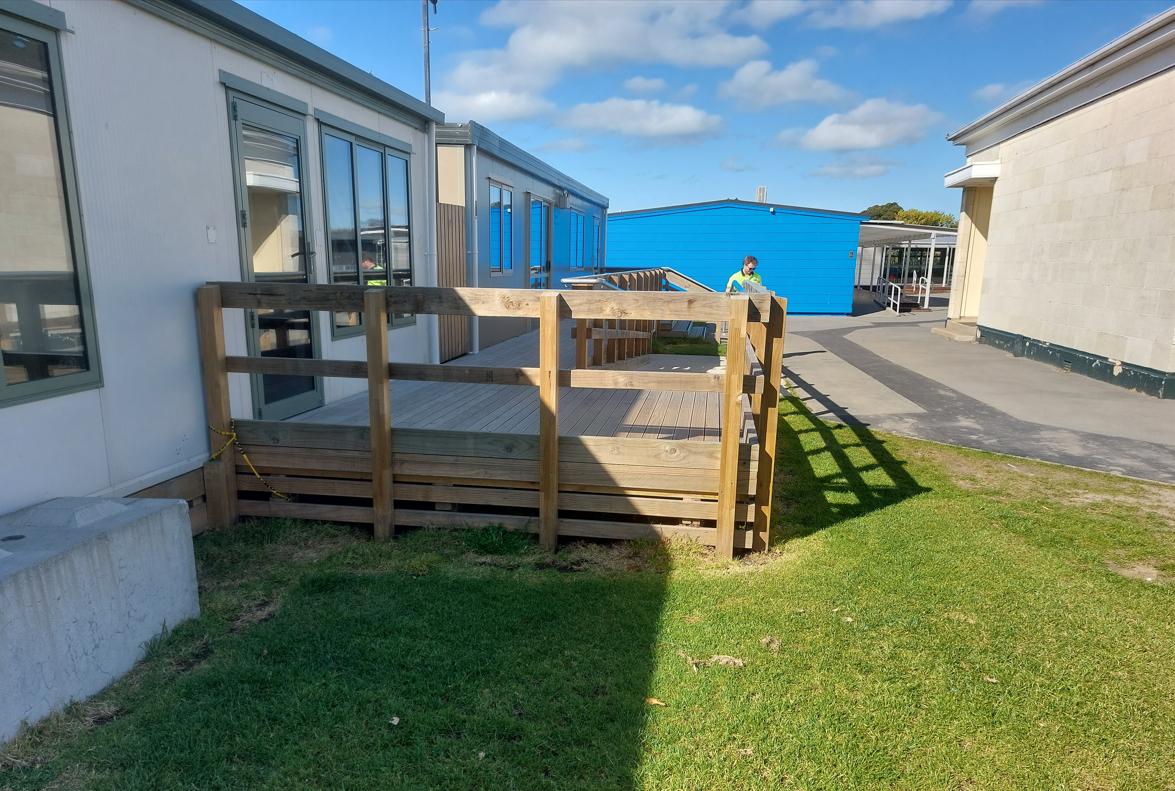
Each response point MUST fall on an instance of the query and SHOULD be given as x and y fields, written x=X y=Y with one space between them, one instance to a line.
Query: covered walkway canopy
x=902 y=253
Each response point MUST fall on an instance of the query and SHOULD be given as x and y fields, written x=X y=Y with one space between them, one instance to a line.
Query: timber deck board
x=514 y=409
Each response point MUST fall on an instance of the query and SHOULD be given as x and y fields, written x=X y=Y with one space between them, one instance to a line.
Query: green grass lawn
x=710 y=348
x=929 y=617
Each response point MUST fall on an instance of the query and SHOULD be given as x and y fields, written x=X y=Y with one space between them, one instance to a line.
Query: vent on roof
x=760 y=195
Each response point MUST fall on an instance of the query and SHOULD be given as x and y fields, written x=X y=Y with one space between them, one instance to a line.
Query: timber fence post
x=731 y=426
x=768 y=421
x=220 y=473
x=549 y=420
x=379 y=407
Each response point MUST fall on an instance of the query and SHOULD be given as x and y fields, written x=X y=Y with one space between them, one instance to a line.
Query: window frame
x=502 y=270
x=387 y=147
x=595 y=242
x=90 y=379
x=546 y=263
x=577 y=231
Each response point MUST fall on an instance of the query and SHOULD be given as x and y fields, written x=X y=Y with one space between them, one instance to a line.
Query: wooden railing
x=655 y=479
x=603 y=341
x=600 y=341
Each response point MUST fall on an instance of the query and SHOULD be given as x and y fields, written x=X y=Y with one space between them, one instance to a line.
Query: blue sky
x=830 y=104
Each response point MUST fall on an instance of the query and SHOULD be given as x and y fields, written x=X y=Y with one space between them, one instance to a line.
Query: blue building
x=806 y=255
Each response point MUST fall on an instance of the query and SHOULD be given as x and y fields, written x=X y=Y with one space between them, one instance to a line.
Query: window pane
x=340 y=210
x=41 y=333
x=537 y=249
x=507 y=230
x=400 y=251
x=369 y=179
x=495 y=229
x=273 y=185
x=595 y=262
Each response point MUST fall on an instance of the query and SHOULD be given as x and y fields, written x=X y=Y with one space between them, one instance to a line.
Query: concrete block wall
x=85 y=584
x=1081 y=249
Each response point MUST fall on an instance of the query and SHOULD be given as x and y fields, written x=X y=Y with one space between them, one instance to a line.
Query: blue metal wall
x=805 y=255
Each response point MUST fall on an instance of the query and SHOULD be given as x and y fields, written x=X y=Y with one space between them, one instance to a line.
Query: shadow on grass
x=828 y=473
x=393 y=666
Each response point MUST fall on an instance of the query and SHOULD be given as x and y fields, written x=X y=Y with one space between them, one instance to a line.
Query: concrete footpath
x=891 y=373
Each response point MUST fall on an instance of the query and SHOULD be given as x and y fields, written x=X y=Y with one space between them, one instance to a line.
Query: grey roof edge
x=473 y=133
x=740 y=202
x=1128 y=46
x=240 y=20
x=899 y=225
x=43 y=15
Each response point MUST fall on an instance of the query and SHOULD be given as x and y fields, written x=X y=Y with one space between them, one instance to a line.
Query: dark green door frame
x=274 y=398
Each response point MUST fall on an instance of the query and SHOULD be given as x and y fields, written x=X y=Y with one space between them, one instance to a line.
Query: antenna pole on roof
x=425 y=30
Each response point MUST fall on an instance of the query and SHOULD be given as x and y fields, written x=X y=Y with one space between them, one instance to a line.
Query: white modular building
x=149 y=146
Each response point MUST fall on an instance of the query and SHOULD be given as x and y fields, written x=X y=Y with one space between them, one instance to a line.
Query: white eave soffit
x=977 y=174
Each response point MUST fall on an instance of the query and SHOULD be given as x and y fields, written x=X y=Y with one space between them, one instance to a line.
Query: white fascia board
x=977 y=174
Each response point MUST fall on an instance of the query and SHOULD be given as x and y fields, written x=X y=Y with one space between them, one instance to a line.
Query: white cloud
x=855 y=168
x=756 y=85
x=991 y=92
x=573 y=144
x=764 y=13
x=491 y=106
x=549 y=38
x=875 y=123
x=873 y=13
x=735 y=165
x=640 y=84
x=686 y=91
x=642 y=118
x=985 y=9
x=320 y=35
x=791 y=137
x=998 y=92
x=553 y=36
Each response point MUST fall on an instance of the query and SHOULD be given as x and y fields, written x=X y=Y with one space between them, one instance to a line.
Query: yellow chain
x=232 y=439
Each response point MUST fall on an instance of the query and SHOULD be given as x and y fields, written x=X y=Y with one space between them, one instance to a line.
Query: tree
x=924 y=217
x=883 y=211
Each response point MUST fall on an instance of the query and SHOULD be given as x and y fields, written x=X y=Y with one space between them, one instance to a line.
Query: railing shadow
x=826 y=474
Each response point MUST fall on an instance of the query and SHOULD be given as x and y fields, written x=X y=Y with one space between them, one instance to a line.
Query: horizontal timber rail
x=474 y=374
x=654 y=305
x=620 y=339
x=717 y=493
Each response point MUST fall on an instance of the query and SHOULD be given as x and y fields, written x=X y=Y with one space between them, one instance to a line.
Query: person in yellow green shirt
x=747 y=273
x=373 y=273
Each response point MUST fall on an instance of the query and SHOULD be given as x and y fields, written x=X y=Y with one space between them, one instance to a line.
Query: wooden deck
x=599 y=440
x=513 y=409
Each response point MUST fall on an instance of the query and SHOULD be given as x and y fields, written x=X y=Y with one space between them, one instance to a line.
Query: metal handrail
x=893 y=300
x=924 y=291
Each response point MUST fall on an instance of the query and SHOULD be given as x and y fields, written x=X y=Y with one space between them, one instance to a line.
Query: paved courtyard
x=891 y=373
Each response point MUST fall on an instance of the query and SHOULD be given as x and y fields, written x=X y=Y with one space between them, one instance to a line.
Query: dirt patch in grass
x=254 y=614
x=1008 y=479
x=95 y=714
x=582 y=556
x=197 y=655
x=1138 y=571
